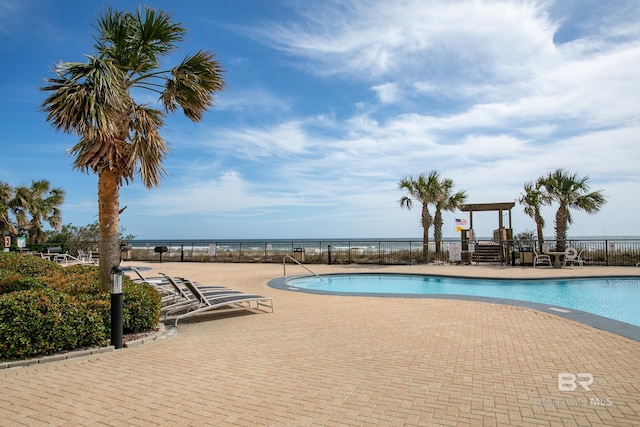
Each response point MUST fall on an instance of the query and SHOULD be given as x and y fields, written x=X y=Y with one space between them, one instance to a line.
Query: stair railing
x=284 y=266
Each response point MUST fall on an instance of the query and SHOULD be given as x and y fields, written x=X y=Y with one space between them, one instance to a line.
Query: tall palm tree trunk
x=108 y=207
x=539 y=229
x=426 y=224
x=562 y=218
x=425 y=244
x=437 y=231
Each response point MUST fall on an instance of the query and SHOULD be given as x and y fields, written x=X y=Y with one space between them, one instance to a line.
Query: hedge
x=45 y=321
x=46 y=308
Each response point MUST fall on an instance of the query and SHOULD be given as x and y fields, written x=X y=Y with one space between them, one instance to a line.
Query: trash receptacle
x=125 y=252
x=298 y=254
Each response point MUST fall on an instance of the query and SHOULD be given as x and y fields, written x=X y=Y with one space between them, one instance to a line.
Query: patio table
x=556 y=257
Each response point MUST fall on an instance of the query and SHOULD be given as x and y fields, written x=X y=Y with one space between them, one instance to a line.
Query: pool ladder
x=284 y=266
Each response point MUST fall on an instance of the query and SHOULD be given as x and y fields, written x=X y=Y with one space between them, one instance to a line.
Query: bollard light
x=116 y=306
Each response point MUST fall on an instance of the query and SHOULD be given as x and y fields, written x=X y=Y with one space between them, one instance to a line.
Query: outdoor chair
x=170 y=290
x=84 y=257
x=65 y=258
x=184 y=299
x=153 y=280
x=199 y=300
x=572 y=256
x=540 y=259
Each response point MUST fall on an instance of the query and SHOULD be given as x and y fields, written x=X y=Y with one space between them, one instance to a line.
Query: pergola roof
x=482 y=207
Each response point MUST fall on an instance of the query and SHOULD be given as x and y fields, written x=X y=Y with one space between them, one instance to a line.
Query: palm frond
x=148 y=148
x=134 y=41
x=193 y=84
x=83 y=96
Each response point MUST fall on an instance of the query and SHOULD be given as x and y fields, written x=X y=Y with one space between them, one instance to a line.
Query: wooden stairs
x=486 y=252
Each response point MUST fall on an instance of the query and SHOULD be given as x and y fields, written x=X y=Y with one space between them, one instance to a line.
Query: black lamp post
x=116 y=306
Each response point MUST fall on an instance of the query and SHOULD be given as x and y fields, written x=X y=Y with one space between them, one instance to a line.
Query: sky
x=330 y=103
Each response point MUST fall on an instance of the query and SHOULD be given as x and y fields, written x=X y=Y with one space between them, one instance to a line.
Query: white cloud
x=382 y=37
x=387 y=92
x=474 y=89
x=248 y=99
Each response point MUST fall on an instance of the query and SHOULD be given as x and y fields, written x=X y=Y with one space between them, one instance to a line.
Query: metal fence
x=317 y=252
x=606 y=252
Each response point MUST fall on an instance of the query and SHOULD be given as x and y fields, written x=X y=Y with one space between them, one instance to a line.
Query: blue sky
x=330 y=103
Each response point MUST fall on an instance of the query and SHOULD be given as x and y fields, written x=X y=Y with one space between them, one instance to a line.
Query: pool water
x=615 y=298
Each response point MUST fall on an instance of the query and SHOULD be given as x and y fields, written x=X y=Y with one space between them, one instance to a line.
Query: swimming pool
x=615 y=298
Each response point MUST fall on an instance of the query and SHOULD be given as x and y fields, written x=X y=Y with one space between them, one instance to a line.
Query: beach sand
x=334 y=360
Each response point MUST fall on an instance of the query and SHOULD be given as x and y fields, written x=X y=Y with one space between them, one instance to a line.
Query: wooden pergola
x=485 y=207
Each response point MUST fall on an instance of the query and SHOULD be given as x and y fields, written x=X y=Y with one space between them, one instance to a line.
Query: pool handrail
x=284 y=266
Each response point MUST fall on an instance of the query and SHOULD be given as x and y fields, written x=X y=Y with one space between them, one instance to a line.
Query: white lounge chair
x=185 y=299
x=151 y=280
x=84 y=257
x=200 y=300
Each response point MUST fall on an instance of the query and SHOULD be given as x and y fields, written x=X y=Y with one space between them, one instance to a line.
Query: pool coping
x=617 y=327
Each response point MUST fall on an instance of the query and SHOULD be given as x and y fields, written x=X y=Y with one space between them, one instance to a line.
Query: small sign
x=455 y=252
x=7 y=241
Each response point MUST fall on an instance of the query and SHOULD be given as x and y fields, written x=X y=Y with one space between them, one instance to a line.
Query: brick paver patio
x=331 y=360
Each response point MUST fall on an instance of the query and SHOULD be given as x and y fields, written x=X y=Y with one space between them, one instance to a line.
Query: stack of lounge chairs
x=181 y=297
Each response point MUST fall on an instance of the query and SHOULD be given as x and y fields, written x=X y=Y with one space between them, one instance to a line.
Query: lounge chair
x=150 y=280
x=84 y=257
x=167 y=293
x=65 y=258
x=171 y=289
x=184 y=298
x=540 y=259
x=572 y=256
x=199 y=300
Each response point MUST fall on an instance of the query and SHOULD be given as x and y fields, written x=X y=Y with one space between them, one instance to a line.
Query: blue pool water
x=615 y=298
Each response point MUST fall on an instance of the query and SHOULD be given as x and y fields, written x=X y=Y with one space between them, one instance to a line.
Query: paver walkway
x=331 y=360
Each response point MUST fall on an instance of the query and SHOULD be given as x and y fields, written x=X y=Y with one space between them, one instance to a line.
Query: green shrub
x=141 y=306
x=45 y=321
x=46 y=308
x=27 y=265
x=75 y=280
x=12 y=282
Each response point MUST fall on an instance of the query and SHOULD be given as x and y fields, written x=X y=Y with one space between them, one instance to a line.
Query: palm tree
x=446 y=202
x=424 y=189
x=6 y=202
x=35 y=205
x=571 y=192
x=119 y=137
x=533 y=199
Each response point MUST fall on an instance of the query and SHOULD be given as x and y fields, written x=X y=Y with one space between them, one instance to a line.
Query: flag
x=461 y=221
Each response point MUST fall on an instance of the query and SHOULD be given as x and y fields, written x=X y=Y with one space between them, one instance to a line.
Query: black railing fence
x=607 y=252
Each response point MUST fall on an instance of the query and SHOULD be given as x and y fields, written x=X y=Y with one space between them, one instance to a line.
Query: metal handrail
x=284 y=266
